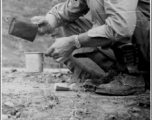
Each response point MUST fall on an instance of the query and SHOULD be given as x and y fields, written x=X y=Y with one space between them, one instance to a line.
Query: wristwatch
x=77 y=43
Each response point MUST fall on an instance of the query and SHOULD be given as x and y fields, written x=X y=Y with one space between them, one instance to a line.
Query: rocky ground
x=31 y=96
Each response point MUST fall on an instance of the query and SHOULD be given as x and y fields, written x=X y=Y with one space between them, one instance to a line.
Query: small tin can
x=34 y=61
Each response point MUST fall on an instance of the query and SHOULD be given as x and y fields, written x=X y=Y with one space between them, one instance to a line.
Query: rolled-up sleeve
x=121 y=20
x=68 y=11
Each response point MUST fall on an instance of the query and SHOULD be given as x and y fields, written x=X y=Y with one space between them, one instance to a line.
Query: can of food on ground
x=34 y=61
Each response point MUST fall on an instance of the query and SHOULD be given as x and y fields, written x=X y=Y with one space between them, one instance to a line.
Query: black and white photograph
x=75 y=59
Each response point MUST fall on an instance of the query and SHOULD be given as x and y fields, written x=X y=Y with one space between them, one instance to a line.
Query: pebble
x=36 y=86
x=24 y=114
x=18 y=114
x=58 y=118
x=74 y=118
x=111 y=117
x=49 y=80
x=13 y=70
x=4 y=117
x=58 y=75
x=75 y=87
x=26 y=75
x=9 y=104
x=136 y=109
x=32 y=77
x=69 y=80
x=65 y=77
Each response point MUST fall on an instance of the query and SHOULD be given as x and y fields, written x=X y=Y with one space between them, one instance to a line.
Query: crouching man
x=118 y=28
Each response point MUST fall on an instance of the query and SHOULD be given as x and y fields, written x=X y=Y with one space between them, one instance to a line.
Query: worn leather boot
x=106 y=78
x=123 y=84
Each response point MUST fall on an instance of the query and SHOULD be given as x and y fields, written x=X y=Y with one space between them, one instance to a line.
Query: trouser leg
x=82 y=25
x=141 y=37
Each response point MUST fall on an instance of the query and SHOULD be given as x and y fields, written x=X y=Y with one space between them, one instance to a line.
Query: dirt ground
x=31 y=96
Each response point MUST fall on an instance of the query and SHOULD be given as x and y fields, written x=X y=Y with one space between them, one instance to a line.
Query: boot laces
x=119 y=78
x=108 y=77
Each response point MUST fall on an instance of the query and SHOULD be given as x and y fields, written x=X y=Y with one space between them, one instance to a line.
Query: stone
x=76 y=87
x=9 y=104
x=13 y=70
x=4 y=117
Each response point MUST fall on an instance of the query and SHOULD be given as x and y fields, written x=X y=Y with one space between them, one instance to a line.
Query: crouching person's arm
x=60 y=15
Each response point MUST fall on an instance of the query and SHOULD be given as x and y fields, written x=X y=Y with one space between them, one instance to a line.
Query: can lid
x=11 y=27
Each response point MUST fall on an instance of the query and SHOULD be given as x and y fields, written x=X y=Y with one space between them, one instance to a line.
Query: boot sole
x=133 y=91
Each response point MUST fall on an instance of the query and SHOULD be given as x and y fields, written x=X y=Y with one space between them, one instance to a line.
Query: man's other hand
x=38 y=19
x=61 y=49
x=43 y=25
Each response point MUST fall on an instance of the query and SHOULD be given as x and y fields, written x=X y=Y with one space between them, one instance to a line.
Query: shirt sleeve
x=68 y=11
x=121 y=20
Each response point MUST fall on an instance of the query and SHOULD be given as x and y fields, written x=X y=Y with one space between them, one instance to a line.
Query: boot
x=123 y=84
x=107 y=78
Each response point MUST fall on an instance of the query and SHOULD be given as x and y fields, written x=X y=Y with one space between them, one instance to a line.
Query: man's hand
x=61 y=49
x=38 y=19
x=43 y=25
